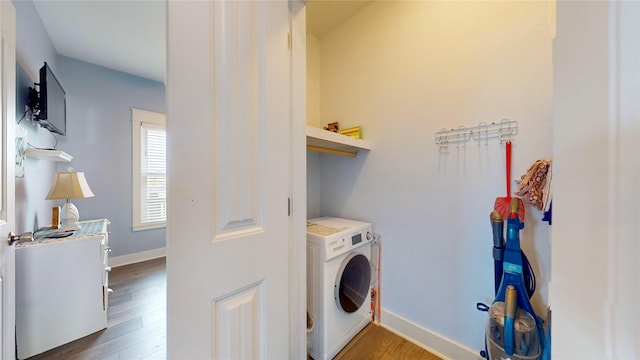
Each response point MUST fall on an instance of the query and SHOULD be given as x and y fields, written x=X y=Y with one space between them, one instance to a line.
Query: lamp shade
x=69 y=185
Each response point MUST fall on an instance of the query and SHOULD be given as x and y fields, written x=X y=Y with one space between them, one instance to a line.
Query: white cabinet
x=61 y=287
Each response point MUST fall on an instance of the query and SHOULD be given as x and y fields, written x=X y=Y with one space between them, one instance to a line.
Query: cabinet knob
x=109 y=290
x=107 y=268
x=107 y=248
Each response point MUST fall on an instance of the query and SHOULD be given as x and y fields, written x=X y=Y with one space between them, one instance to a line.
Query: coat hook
x=483 y=127
x=461 y=132
x=505 y=132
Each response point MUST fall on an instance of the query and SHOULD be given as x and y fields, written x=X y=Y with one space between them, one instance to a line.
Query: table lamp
x=69 y=185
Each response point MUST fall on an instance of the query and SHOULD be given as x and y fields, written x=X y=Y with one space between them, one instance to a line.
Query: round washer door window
x=353 y=283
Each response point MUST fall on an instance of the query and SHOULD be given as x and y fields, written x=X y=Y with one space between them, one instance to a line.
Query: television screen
x=50 y=108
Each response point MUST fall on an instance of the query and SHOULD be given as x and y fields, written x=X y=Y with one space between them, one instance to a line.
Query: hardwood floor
x=137 y=325
x=376 y=342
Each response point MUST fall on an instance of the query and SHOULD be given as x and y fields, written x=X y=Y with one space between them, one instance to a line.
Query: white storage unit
x=61 y=287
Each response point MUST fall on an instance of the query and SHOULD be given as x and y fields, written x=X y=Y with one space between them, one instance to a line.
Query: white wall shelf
x=333 y=143
x=53 y=155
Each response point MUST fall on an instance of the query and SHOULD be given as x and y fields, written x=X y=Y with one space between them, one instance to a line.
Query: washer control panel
x=339 y=235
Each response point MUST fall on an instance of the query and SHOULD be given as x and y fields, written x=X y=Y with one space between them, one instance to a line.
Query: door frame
x=7 y=141
x=298 y=219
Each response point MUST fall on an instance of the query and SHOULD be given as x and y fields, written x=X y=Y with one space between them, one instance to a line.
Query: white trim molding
x=434 y=343
x=298 y=220
x=595 y=274
x=137 y=257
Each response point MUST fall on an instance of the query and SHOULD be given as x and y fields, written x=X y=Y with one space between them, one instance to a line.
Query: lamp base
x=70 y=217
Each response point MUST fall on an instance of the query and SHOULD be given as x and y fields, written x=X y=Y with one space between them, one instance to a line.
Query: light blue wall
x=404 y=70
x=33 y=48
x=99 y=103
x=314 y=174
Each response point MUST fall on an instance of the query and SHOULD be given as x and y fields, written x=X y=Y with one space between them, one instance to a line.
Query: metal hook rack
x=505 y=130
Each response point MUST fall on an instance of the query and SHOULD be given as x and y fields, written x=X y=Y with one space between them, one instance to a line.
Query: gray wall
x=99 y=102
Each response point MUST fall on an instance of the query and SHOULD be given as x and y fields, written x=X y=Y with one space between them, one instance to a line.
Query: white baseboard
x=137 y=257
x=427 y=339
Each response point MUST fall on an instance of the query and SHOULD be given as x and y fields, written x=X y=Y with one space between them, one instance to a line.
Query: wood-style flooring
x=376 y=342
x=137 y=325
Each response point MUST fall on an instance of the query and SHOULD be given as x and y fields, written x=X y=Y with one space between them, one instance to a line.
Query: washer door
x=353 y=283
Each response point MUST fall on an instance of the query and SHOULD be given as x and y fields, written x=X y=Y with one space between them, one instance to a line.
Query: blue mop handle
x=510 y=305
x=512 y=252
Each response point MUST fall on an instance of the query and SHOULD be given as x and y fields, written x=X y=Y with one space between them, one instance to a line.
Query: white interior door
x=7 y=171
x=229 y=177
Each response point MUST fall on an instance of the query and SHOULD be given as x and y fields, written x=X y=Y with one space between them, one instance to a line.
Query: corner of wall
x=313 y=81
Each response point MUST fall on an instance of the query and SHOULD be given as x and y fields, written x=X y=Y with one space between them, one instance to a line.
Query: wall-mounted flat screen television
x=49 y=103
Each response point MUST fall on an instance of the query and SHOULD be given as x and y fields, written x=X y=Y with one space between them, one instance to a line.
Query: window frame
x=138 y=119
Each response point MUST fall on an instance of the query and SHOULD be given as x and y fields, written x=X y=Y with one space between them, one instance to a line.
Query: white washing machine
x=338 y=282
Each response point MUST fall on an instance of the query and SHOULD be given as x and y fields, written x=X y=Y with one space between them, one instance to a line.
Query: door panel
x=238 y=118
x=239 y=324
x=229 y=168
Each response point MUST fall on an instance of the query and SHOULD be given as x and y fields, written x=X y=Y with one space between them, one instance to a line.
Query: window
x=149 y=170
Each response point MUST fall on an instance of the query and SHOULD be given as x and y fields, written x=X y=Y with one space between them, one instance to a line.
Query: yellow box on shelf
x=354 y=132
x=351 y=129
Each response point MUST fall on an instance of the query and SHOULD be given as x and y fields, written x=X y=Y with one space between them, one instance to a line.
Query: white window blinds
x=153 y=174
x=149 y=170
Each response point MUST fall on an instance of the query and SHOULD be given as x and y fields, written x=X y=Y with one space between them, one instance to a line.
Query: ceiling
x=129 y=35
x=325 y=15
